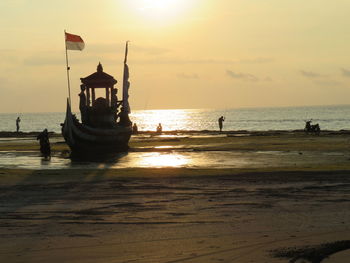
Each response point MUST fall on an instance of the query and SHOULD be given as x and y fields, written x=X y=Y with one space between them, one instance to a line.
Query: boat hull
x=84 y=140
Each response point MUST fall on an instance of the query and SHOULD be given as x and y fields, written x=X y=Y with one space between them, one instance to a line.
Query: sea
x=335 y=117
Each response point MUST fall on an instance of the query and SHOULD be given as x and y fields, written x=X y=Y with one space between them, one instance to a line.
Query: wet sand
x=292 y=191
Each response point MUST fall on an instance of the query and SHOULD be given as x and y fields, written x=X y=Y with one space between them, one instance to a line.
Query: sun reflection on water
x=170 y=119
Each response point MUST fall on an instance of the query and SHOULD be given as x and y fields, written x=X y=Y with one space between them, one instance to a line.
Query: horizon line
x=224 y=109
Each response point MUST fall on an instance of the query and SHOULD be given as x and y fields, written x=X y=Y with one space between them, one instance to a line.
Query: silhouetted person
x=45 y=148
x=82 y=104
x=134 y=129
x=159 y=128
x=124 y=118
x=114 y=103
x=18 y=120
x=114 y=99
x=221 y=120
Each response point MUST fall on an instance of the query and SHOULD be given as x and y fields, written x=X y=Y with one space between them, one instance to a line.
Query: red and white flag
x=74 y=42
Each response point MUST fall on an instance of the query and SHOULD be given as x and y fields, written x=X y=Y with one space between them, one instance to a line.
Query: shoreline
x=6 y=134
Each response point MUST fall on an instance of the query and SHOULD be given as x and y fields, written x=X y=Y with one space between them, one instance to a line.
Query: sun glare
x=159 y=10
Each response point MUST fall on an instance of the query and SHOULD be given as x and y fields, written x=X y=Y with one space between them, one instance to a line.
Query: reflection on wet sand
x=31 y=160
x=178 y=159
x=158 y=160
x=187 y=150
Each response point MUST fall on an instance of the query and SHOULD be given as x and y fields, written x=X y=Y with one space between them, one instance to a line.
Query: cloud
x=43 y=61
x=242 y=76
x=187 y=76
x=311 y=74
x=6 y=50
x=5 y=86
x=346 y=72
x=180 y=61
x=116 y=48
x=104 y=48
x=9 y=57
x=47 y=59
x=3 y=82
x=322 y=79
x=258 y=60
x=328 y=83
x=150 y=50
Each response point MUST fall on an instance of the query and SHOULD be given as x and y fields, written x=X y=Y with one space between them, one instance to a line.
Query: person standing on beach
x=134 y=129
x=221 y=120
x=159 y=128
x=18 y=120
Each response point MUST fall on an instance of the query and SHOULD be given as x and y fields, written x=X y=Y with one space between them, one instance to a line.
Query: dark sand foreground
x=263 y=213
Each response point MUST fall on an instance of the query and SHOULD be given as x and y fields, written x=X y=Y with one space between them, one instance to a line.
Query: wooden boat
x=105 y=126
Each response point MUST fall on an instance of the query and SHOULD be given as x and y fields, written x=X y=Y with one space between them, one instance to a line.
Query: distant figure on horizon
x=221 y=120
x=134 y=129
x=18 y=120
x=315 y=128
x=45 y=148
x=159 y=128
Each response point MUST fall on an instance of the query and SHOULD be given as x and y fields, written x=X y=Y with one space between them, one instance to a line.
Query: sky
x=183 y=53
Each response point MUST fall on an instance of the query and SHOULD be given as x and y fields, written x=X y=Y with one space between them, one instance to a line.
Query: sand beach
x=274 y=196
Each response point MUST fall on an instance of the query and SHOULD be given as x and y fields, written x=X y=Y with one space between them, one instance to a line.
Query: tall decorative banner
x=126 y=83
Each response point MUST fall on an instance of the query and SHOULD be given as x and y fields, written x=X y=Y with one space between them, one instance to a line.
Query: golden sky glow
x=183 y=53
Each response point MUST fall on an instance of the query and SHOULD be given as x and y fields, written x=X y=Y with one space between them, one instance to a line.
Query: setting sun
x=159 y=9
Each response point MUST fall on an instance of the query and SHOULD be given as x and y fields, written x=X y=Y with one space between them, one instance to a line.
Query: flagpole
x=67 y=68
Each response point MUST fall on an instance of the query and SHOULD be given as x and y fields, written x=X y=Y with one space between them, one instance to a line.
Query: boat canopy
x=103 y=111
x=99 y=80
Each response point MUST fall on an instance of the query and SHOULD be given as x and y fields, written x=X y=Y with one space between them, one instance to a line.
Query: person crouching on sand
x=45 y=148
